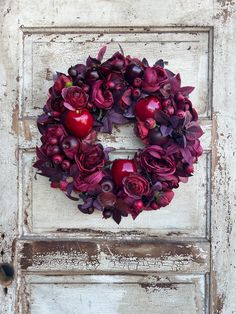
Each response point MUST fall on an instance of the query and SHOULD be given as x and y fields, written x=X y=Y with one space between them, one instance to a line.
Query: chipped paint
x=15 y=114
x=226 y=10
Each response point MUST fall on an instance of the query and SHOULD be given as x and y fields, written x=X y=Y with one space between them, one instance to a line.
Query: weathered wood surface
x=114 y=294
x=196 y=38
x=113 y=256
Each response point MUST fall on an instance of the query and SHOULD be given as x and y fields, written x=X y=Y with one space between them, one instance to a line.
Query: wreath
x=91 y=99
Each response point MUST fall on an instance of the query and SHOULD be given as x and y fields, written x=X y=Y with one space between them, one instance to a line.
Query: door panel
x=115 y=294
x=180 y=259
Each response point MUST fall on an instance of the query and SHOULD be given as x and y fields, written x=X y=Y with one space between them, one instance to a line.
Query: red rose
x=92 y=159
x=152 y=78
x=136 y=186
x=74 y=98
x=154 y=160
x=102 y=97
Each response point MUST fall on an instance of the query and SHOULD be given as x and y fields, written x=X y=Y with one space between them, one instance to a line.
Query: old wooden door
x=178 y=260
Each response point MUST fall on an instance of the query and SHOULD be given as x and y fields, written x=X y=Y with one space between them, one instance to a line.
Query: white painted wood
x=116 y=294
x=45 y=53
x=187 y=215
x=50 y=238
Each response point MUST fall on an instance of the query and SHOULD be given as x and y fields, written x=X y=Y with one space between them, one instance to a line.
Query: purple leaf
x=40 y=154
x=85 y=208
x=160 y=62
x=101 y=53
x=186 y=90
x=194 y=131
x=165 y=131
x=116 y=216
x=68 y=192
x=176 y=83
x=187 y=155
x=161 y=117
x=43 y=118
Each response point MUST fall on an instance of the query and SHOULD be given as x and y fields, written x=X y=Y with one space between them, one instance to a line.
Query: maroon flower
x=117 y=62
x=164 y=198
x=136 y=185
x=91 y=159
x=74 y=98
x=153 y=159
x=141 y=130
x=152 y=79
x=54 y=134
x=102 y=97
x=88 y=183
x=60 y=82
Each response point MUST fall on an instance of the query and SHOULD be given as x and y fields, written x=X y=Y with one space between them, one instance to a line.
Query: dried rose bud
x=150 y=123
x=137 y=82
x=181 y=114
x=136 y=93
x=57 y=159
x=65 y=164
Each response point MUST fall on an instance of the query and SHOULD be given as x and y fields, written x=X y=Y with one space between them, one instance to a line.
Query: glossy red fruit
x=79 y=122
x=146 y=107
x=138 y=205
x=121 y=168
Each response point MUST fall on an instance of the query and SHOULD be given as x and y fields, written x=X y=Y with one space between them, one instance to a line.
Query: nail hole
x=2 y=235
x=5 y=290
x=2 y=252
x=6 y=273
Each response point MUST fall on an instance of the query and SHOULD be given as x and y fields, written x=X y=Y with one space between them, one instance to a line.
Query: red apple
x=122 y=168
x=146 y=107
x=79 y=122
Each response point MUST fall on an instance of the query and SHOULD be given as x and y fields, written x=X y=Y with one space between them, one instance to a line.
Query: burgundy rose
x=154 y=160
x=60 y=82
x=92 y=159
x=136 y=185
x=74 y=98
x=102 y=97
x=152 y=78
